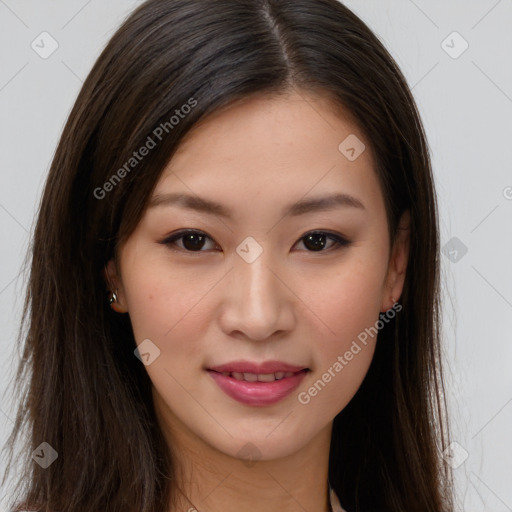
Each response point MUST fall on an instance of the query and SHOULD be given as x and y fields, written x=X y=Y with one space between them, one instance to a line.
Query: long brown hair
x=81 y=389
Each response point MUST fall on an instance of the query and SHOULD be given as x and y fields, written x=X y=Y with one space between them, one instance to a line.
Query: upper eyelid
x=178 y=234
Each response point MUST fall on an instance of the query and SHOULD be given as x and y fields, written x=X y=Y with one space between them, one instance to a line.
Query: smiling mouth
x=258 y=389
x=260 y=377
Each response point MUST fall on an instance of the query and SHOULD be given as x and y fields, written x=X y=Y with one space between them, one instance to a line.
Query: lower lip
x=258 y=393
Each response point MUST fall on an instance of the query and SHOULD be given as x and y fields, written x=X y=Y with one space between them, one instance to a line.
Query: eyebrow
x=301 y=207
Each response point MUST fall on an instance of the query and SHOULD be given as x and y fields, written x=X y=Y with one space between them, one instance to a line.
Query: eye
x=192 y=240
x=316 y=241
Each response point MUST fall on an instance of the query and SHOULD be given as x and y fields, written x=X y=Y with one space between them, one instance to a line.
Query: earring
x=113 y=297
x=112 y=300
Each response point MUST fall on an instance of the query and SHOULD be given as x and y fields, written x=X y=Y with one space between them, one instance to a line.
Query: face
x=255 y=279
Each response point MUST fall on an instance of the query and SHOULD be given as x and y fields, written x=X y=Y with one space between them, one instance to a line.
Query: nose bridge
x=253 y=265
x=256 y=282
x=256 y=302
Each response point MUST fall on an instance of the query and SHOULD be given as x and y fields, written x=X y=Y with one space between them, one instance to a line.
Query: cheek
x=346 y=306
x=352 y=305
x=344 y=352
x=165 y=305
x=347 y=300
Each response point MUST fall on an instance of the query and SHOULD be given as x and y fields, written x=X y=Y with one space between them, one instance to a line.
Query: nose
x=257 y=300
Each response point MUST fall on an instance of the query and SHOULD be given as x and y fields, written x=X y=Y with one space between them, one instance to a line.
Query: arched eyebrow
x=201 y=204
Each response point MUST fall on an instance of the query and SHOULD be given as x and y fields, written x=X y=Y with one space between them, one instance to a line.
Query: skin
x=292 y=304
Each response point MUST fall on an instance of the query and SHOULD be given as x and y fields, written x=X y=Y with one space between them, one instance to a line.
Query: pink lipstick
x=257 y=384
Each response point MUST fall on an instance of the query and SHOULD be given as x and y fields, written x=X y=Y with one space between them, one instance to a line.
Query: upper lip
x=257 y=368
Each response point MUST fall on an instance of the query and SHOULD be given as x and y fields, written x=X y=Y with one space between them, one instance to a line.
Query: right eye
x=191 y=240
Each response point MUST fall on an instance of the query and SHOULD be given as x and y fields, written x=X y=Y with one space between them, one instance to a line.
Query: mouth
x=257 y=387
x=260 y=377
x=264 y=368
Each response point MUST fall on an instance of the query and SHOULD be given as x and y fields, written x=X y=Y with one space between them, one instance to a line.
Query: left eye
x=315 y=241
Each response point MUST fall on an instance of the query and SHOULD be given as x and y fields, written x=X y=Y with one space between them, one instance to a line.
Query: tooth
x=262 y=377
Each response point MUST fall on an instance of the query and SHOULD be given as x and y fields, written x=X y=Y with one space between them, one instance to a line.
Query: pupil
x=191 y=244
x=317 y=241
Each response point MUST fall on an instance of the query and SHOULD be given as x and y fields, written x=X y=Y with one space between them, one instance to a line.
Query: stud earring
x=113 y=302
x=113 y=297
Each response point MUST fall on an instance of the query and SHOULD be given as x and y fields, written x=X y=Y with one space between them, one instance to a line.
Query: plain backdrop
x=457 y=58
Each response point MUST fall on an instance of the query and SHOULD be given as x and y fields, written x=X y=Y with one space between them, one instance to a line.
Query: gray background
x=465 y=99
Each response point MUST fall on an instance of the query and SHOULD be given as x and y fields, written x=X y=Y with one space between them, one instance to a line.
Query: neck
x=211 y=481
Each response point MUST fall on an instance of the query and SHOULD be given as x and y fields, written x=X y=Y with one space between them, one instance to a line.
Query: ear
x=114 y=284
x=397 y=263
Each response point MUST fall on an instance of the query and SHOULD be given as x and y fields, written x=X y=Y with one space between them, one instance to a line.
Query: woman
x=234 y=293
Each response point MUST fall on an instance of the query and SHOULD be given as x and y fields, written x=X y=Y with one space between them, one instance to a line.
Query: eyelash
x=340 y=242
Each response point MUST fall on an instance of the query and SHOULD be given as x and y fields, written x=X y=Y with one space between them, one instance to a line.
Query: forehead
x=273 y=148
